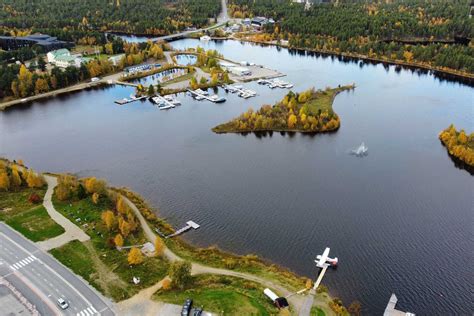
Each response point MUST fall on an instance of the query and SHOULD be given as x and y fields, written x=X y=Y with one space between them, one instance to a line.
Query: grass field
x=104 y=266
x=223 y=295
x=30 y=220
x=35 y=224
x=316 y=311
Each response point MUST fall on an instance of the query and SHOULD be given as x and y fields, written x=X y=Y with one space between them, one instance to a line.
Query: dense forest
x=310 y=111
x=427 y=31
x=72 y=20
x=458 y=144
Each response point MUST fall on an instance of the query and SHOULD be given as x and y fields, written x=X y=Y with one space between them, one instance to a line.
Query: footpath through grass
x=98 y=261
x=223 y=295
x=31 y=220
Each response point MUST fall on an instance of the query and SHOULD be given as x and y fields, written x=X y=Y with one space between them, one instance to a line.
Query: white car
x=62 y=303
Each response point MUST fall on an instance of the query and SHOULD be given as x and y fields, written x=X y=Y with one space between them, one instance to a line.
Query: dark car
x=187 y=307
x=197 y=311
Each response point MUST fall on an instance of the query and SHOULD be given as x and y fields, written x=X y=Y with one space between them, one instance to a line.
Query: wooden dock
x=203 y=96
x=125 y=100
x=189 y=225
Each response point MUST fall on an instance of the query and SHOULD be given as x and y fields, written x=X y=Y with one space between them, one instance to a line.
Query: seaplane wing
x=324 y=260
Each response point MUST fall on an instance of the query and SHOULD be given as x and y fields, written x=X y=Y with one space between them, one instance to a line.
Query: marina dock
x=202 y=95
x=132 y=99
x=165 y=103
x=189 y=225
x=275 y=83
x=243 y=93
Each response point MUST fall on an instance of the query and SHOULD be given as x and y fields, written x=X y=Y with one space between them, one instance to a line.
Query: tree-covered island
x=307 y=112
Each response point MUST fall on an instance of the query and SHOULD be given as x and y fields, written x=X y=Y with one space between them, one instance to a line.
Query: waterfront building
x=47 y=42
x=63 y=58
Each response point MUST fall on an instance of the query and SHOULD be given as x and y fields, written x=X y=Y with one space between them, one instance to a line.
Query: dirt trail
x=296 y=301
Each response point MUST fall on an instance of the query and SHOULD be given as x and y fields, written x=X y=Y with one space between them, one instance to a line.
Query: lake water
x=399 y=220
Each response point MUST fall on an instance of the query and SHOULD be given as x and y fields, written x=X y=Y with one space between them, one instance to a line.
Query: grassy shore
x=307 y=112
x=98 y=261
x=222 y=295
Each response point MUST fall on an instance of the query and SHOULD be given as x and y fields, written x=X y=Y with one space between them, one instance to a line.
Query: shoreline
x=449 y=72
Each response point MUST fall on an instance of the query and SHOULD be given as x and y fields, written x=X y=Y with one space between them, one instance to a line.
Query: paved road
x=42 y=279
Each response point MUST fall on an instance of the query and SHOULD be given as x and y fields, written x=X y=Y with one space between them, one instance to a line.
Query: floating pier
x=243 y=93
x=165 y=103
x=133 y=99
x=202 y=95
x=275 y=83
x=189 y=225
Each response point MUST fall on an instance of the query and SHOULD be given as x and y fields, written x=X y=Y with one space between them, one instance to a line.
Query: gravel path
x=72 y=231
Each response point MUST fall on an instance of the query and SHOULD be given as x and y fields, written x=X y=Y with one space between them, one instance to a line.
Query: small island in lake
x=459 y=145
x=307 y=112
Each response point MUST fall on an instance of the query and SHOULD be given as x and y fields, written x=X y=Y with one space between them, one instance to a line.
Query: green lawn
x=107 y=268
x=223 y=295
x=35 y=224
x=17 y=201
x=30 y=220
x=78 y=258
x=316 y=311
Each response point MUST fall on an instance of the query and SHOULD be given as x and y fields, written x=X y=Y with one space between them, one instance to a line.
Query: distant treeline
x=374 y=29
x=70 y=19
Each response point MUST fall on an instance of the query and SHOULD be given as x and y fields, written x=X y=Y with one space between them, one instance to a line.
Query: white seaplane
x=324 y=260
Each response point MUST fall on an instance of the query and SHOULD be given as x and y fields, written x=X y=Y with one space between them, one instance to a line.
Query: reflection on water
x=399 y=220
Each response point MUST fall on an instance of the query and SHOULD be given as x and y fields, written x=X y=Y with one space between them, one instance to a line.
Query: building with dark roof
x=47 y=42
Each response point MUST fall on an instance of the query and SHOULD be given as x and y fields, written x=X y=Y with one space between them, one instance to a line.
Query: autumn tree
x=35 y=180
x=95 y=197
x=292 y=119
x=94 y=185
x=135 y=256
x=124 y=227
x=121 y=205
x=159 y=246
x=108 y=218
x=180 y=273
x=25 y=81
x=166 y=284
x=308 y=284
x=4 y=181
x=118 y=240
x=15 y=177
x=41 y=86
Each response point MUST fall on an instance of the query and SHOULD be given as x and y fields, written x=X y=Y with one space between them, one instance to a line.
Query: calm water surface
x=400 y=220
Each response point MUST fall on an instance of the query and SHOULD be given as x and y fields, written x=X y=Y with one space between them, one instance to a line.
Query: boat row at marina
x=240 y=90
x=200 y=95
x=165 y=102
x=275 y=83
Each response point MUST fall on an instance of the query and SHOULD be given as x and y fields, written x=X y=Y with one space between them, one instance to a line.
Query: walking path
x=296 y=301
x=72 y=231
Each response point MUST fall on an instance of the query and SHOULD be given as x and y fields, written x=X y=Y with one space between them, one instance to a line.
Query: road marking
x=52 y=270
x=92 y=307
x=90 y=310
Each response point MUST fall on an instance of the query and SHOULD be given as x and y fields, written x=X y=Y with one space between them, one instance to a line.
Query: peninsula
x=306 y=112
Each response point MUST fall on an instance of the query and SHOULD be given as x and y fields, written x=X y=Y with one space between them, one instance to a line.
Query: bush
x=35 y=198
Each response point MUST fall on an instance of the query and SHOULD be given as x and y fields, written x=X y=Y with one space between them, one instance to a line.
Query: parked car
x=62 y=303
x=187 y=307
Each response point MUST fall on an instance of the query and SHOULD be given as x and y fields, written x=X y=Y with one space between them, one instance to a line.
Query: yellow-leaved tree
x=4 y=181
x=159 y=246
x=108 y=218
x=118 y=240
x=135 y=256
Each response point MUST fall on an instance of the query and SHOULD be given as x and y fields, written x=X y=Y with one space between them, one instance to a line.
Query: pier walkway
x=189 y=225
